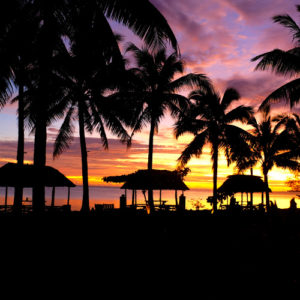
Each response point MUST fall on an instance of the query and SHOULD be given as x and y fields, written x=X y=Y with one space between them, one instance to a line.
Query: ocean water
x=111 y=195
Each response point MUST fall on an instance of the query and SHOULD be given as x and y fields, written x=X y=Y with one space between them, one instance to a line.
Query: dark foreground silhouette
x=155 y=255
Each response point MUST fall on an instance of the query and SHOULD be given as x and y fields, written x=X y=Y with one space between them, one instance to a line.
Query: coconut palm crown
x=209 y=118
x=153 y=91
x=273 y=143
x=284 y=63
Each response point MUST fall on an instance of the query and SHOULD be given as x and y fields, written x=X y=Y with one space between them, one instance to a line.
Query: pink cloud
x=256 y=12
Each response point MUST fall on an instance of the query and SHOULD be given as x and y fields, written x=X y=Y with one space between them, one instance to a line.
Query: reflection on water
x=194 y=197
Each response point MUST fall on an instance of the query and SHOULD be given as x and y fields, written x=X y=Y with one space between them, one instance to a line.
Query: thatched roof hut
x=13 y=175
x=27 y=176
x=243 y=184
x=154 y=179
x=247 y=184
x=150 y=180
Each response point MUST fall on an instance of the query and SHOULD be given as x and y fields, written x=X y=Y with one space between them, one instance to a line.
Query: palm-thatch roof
x=154 y=180
x=13 y=175
x=242 y=184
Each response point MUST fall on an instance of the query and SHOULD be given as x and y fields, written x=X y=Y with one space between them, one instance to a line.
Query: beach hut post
x=53 y=196
x=251 y=193
x=160 y=197
x=68 y=202
x=5 y=201
x=132 y=198
x=176 y=199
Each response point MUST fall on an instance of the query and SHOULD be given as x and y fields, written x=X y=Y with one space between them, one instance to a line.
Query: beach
x=111 y=195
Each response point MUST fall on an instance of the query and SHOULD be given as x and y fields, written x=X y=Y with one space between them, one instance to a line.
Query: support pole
x=68 y=202
x=159 y=197
x=132 y=198
x=5 y=201
x=251 y=194
x=53 y=196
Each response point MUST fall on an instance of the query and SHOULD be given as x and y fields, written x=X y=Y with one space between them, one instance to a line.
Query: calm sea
x=111 y=195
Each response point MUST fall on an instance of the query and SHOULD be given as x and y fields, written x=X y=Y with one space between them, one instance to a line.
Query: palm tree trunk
x=17 y=207
x=215 y=177
x=267 y=191
x=251 y=194
x=39 y=159
x=84 y=163
x=150 y=162
x=41 y=105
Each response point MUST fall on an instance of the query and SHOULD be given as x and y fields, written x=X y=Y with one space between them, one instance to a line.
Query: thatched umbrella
x=153 y=179
x=243 y=184
x=15 y=175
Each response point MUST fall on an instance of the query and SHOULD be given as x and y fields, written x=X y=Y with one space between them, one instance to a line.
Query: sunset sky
x=217 y=38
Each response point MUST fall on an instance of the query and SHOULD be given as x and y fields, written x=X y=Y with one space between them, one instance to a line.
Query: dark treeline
x=60 y=59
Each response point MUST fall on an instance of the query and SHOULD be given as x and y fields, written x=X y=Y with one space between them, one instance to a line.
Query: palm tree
x=89 y=69
x=154 y=92
x=47 y=42
x=210 y=119
x=273 y=143
x=284 y=63
x=17 y=45
x=139 y=16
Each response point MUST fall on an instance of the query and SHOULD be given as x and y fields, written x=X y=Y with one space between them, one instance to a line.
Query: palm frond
x=280 y=122
x=284 y=162
x=191 y=81
x=187 y=123
x=176 y=103
x=279 y=61
x=168 y=68
x=229 y=96
x=289 y=92
x=289 y=23
x=237 y=145
x=102 y=132
x=194 y=148
x=140 y=122
x=112 y=122
x=241 y=113
x=128 y=105
x=65 y=135
x=139 y=16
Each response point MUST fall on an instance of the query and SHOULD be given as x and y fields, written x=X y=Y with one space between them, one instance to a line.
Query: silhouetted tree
x=272 y=144
x=89 y=68
x=140 y=16
x=155 y=91
x=43 y=95
x=17 y=51
x=284 y=63
x=210 y=120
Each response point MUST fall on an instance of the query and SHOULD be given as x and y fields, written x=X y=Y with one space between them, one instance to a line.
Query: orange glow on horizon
x=166 y=152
